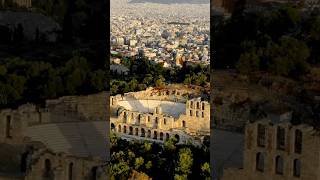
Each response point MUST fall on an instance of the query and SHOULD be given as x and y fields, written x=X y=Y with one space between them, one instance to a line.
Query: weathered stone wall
x=309 y=156
x=91 y=107
x=63 y=167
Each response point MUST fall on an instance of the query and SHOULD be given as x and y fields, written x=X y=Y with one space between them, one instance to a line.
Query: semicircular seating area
x=75 y=138
x=147 y=106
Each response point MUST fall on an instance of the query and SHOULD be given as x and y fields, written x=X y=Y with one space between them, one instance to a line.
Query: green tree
x=205 y=171
x=148 y=165
x=187 y=79
x=160 y=82
x=138 y=163
x=248 y=62
x=185 y=162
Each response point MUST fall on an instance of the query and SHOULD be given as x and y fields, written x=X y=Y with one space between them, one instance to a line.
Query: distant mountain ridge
x=171 y=1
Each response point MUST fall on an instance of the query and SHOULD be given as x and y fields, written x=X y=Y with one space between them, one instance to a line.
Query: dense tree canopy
x=144 y=74
x=283 y=41
x=158 y=162
x=24 y=80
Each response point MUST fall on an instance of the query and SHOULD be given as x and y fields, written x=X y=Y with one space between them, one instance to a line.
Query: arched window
x=177 y=137
x=202 y=114
x=279 y=165
x=161 y=136
x=261 y=139
x=164 y=121
x=190 y=112
x=155 y=135
x=125 y=129
x=139 y=118
x=296 y=168
x=197 y=113
x=112 y=127
x=94 y=173
x=142 y=132
x=24 y=162
x=149 y=134
x=130 y=130
x=70 y=171
x=156 y=120
x=298 y=141
x=119 y=128
x=47 y=168
x=183 y=123
x=8 y=127
x=191 y=104
x=260 y=162
x=198 y=105
x=280 y=138
x=202 y=106
x=137 y=132
x=167 y=136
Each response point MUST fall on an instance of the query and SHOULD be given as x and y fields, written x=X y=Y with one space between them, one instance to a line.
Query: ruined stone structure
x=278 y=151
x=66 y=139
x=20 y=3
x=156 y=115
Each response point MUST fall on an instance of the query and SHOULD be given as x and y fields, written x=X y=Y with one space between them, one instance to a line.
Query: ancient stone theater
x=158 y=114
x=64 y=139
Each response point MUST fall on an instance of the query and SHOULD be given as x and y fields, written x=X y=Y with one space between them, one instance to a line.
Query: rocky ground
x=239 y=98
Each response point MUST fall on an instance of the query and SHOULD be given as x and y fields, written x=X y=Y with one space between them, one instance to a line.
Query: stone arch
x=298 y=141
x=25 y=161
x=136 y=132
x=156 y=120
x=94 y=173
x=149 y=134
x=296 y=168
x=155 y=135
x=167 y=136
x=70 y=171
x=125 y=129
x=130 y=130
x=184 y=124
x=139 y=118
x=8 y=127
x=279 y=165
x=177 y=137
x=198 y=105
x=260 y=161
x=119 y=128
x=47 y=169
x=280 y=138
x=161 y=136
x=113 y=127
x=143 y=133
